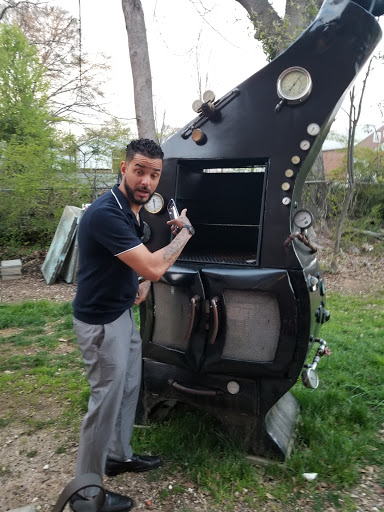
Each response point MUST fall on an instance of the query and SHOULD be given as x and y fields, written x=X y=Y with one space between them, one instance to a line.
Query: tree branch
x=12 y=5
x=262 y=13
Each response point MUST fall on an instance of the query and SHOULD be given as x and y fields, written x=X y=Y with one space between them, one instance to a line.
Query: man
x=111 y=257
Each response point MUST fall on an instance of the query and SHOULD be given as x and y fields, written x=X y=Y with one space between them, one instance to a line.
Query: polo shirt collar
x=121 y=200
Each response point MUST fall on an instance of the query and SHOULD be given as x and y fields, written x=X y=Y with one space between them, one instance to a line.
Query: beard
x=131 y=195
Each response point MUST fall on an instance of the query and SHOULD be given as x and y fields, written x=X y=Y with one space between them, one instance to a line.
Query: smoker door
x=171 y=318
x=253 y=321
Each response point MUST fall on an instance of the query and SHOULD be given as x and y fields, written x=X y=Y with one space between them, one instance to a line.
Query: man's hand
x=142 y=292
x=178 y=223
x=153 y=265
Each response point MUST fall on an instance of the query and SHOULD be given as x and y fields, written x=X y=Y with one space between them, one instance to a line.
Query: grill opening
x=224 y=201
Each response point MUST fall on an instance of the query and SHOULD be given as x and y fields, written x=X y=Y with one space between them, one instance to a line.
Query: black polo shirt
x=106 y=287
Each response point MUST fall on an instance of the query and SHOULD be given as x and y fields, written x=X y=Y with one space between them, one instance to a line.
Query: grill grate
x=172 y=312
x=252 y=326
x=225 y=259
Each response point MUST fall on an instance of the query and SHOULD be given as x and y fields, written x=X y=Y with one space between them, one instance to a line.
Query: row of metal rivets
x=312 y=129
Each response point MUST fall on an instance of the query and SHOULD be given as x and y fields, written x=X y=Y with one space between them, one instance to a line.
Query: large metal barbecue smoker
x=229 y=327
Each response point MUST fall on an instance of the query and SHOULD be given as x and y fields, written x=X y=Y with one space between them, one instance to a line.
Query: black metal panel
x=272 y=288
x=332 y=49
x=164 y=323
x=238 y=261
x=242 y=414
x=268 y=299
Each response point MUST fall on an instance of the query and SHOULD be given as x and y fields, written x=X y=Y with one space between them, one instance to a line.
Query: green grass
x=338 y=431
x=337 y=435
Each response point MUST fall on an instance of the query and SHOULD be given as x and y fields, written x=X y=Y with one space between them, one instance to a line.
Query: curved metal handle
x=215 y=313
x=192 y=391
x=75 y=486
x=193 y=303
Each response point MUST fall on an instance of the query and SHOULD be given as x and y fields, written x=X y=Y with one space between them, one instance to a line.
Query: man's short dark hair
x=145 y=147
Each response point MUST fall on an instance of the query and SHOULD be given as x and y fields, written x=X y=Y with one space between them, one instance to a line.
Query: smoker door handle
x=215 y=314
x=193 y=391
x=194 y=301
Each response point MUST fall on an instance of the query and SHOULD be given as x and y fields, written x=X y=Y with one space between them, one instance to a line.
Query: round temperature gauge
x=310 y=378
x=303 y=219
x=305 y=145
x=294 y=84
x=313 y=129
x=155 y=204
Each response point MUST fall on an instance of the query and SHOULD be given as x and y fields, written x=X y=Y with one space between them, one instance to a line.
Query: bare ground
x=34 y=469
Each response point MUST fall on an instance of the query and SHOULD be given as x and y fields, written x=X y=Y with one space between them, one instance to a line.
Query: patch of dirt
x=32 y=284
x=35 y=468
x=360 y=270
x=35 y=288
x=36 y=465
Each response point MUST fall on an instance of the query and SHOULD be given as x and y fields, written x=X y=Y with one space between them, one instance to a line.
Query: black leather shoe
x=138 y=463
x=113 y=502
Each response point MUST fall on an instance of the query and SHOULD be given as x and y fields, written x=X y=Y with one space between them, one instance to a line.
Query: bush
x=369 y=201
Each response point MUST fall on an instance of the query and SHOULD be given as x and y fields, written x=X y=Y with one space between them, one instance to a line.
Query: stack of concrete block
x=10 y=269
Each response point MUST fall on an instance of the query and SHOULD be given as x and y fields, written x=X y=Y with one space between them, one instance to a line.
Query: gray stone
x=27 y=508
x=10 y=269
x=9 y=264
x=354 y=250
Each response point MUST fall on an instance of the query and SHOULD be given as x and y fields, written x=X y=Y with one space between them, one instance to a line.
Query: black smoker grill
x=228 y=328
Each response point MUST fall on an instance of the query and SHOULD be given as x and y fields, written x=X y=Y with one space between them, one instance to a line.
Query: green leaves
x=23 y=112
x=36 y=178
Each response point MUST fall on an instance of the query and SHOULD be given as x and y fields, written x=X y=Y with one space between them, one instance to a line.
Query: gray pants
x=112 y=356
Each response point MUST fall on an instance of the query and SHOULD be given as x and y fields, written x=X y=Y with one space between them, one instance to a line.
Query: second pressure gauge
x=310 y=378
x=155 y=204
x=294 y=85
x=313 y=129
x=303 y=219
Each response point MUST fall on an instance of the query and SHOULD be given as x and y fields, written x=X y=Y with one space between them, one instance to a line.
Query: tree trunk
x=141 y=69
x=340 y=224
x=275 y=32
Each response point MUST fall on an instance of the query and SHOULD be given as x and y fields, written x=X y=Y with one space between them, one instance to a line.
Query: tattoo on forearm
x=172 y=251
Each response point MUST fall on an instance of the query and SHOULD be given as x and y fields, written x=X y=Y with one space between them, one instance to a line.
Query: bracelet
x=189 y=227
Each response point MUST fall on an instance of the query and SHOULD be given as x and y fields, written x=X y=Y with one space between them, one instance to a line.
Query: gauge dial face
x=313 y=129
x=303 y=219
x=294 y=84
x=310 y=378
x=305 y=145
x=155 y=204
